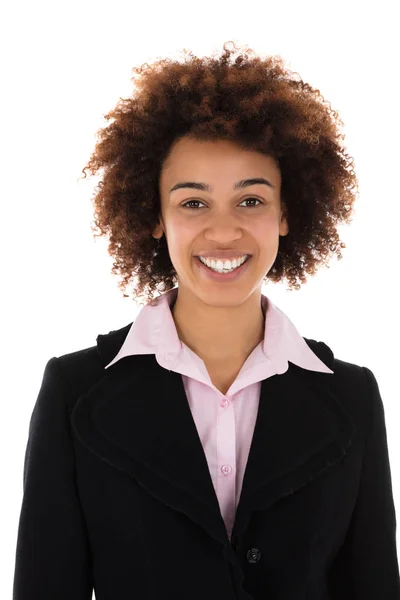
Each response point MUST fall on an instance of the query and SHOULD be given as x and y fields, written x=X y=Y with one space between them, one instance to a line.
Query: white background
x=65 y=65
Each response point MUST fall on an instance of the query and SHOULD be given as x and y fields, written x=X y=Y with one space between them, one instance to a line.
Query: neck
x=219 y=333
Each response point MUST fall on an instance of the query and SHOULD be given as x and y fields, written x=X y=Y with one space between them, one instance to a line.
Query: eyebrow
x=243 y=183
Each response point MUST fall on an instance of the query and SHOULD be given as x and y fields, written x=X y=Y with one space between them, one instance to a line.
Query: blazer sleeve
x=366 y=566
x=52 y=552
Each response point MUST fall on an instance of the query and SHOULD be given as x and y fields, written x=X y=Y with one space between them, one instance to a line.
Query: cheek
x=181 y=233
x=266 y=233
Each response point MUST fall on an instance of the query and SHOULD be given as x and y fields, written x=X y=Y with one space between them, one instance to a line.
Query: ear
x=158 y=231
x=284 y=225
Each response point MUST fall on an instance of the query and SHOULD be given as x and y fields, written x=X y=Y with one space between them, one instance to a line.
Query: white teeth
x=223 y=266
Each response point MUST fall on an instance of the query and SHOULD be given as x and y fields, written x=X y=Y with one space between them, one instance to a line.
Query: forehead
x=218 y=159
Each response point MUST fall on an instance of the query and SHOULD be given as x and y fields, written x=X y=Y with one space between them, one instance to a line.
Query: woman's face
x=247 y=220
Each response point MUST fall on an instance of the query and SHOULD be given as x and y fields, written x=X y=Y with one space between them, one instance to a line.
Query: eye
x=245 y=200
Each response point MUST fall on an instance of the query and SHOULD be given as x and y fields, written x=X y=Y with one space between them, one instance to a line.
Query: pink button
x=226 y=469
x=224 y=403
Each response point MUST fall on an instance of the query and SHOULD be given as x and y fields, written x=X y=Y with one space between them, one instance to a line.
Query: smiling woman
x=233 y=217
x=209 y=450
x=259 y=106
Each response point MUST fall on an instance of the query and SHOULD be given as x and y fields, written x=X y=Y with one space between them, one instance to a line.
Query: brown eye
x=245 y=200
x=189 y=201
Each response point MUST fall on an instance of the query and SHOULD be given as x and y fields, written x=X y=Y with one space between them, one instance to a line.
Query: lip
x=223 y=255
x=222 y=277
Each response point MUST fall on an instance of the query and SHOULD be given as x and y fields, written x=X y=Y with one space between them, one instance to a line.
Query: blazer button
x=253 y=555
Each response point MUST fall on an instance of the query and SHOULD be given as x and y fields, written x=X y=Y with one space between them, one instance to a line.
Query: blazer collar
x=136 y=418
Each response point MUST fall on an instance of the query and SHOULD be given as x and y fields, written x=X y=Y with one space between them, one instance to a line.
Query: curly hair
x=253 y=101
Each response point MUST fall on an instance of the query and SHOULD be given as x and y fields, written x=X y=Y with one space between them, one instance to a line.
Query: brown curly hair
x=255 y=102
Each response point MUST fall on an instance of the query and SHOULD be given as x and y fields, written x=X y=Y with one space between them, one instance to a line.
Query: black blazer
x=118 y=497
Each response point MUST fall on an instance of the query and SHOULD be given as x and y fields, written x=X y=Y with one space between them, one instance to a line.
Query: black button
x=253 y=555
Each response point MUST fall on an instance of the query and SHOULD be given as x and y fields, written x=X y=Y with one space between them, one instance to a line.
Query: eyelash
x=245 y=200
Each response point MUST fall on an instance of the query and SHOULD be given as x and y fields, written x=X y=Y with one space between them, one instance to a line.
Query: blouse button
x=226 y=469
x=224 y=403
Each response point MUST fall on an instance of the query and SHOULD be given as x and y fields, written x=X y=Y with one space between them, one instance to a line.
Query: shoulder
x=341 y=368
x=354 y=385
x=82 y=368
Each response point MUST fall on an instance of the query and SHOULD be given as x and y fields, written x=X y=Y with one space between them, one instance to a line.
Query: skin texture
x=221 y=322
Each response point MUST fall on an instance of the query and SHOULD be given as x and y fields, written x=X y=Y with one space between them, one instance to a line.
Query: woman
x=208 y=450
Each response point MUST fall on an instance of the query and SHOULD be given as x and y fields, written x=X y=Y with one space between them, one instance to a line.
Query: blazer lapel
x=137 y=418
